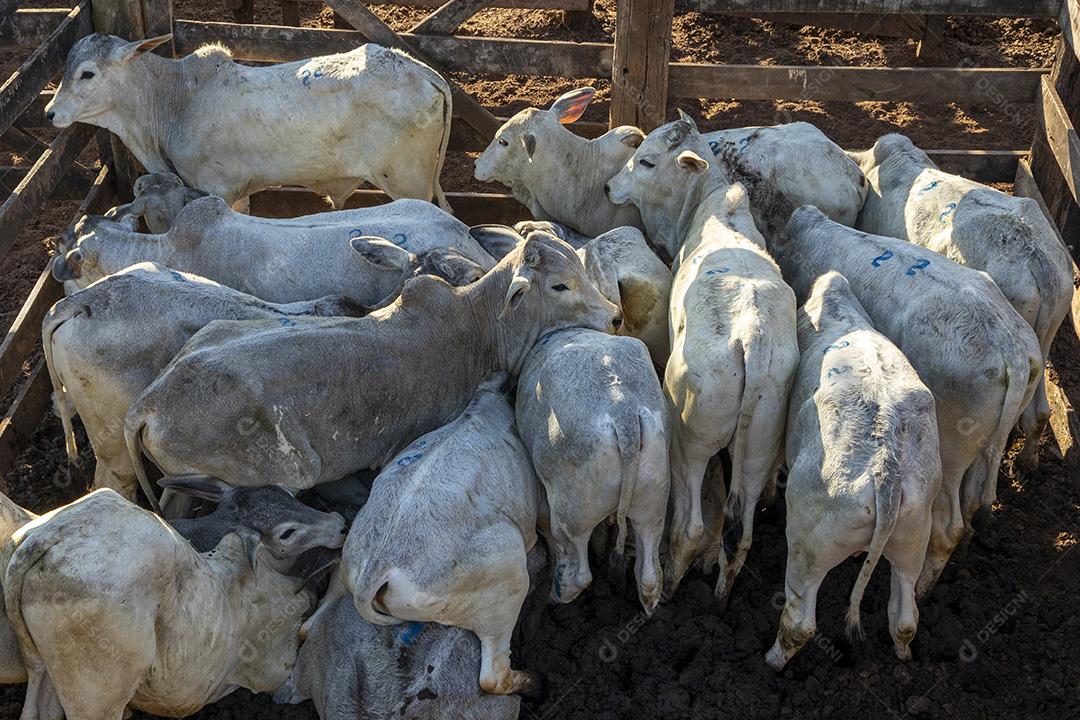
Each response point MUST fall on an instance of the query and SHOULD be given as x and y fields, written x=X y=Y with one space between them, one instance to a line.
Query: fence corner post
x=639 y=71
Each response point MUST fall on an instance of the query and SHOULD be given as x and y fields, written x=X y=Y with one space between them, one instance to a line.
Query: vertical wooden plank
x=1065 y=77
x=290 y=13
x=578 y=19
x=932 y=35
x=639 y=73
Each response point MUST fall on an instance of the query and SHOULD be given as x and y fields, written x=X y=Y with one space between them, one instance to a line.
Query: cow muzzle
x=67 y=266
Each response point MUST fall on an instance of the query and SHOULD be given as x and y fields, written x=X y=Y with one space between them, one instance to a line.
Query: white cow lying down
x=561 y=176
x=1007 y=237
x=445 y=532
x=327 y=123
x=863 y=466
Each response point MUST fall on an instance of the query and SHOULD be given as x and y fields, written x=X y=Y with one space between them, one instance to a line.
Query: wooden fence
x=644 y=85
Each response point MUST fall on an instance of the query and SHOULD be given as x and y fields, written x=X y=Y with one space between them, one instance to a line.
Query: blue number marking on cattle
x=744 y=145
x=887 y=255
x=286 y=322
x=355 y=233
x=401 y=239
x=949 y=209
x=930 y=187
x=177 y=276
x=717 y=271
x=836 y=371
x=917 y=266
x=558 y=578
x=838 y=346
x=305 y=77
x=715 y=147
x=410 y=632
x=409 y=459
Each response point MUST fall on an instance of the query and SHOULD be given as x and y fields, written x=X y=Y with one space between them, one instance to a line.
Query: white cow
x=1007 y=237
x=970 y=347
x=445 y=532
x=863 y=467
x=327 y=123
x=162 y=627
x=560 y=176
x=275 y=260
x=733 y=351
x=619 y=263
x=594 y=418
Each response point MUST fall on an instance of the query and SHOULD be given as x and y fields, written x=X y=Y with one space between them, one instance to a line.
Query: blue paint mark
x=949 y=210
x=286 y=322
x=930 y=187
x=558 y=579
x=715 y=147
x=420 y=443
x=409 y=459
x=355 y=233
x=410 y=632
x=887 y=255
x=744 y=145
x=917 y=266
x=717 y=271
x=838 y=346
x=837 y=371
x=177 y=276
x=307 y=76
x=402 y=240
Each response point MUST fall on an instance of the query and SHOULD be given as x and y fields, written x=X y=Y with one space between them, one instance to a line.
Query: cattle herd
x=870 y=325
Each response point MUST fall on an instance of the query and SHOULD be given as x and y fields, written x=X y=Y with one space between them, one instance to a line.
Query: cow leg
x=810 y=557
x=906 y=553
x=572 y=573
x=106 y=477
x=946 y=531
x=35 y=677
x=496 y=676
x=647 y=511
x=1033 y=423
x=688 y=464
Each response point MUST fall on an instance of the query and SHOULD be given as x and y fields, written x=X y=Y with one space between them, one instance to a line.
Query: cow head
x=445 y=262
x=520 y=138
x=267 y=517
x=549 y=285
x=159 y=198
x=660 y=175
x=95 y=74
x=78 y=256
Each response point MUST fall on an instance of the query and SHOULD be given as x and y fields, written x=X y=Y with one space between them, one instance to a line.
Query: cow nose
x=50 y=115
x=617 y=322
x=607 y=189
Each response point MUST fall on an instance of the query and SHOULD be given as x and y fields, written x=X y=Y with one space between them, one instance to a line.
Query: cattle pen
x=644 y=85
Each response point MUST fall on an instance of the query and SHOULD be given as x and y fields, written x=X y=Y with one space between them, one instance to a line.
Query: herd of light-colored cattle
x=869 y=322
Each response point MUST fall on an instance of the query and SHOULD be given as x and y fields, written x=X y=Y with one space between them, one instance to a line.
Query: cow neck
x=675 y=232
x=117 y=253
x=154 y=100
x=581 y=167
x=510 y=338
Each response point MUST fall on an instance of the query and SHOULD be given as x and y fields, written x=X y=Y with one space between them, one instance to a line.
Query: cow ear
x=529 y=141
x=456 y=269
x=685 y=117
x=571 y=105
x=192 y=194
x=692 y=162
x=252 y=542
x=630 y=136
x=200 y=486
x=130 y=221
x=67 y=266
x=519 y=285
x=132 y=50
x=498 y=240
x=382 y=253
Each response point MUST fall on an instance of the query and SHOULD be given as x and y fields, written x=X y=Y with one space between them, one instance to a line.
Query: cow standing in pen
x=327 y=123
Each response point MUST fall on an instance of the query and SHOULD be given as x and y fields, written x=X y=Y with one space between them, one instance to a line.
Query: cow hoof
x=533 y=685
x=903 y=653
x=775 y=658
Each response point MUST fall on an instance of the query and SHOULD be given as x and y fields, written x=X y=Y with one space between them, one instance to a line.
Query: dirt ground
x=995 y=637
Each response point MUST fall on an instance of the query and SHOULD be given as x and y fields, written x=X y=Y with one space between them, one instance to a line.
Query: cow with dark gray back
x=302 y=401
x=328 y=123
x=159 y=198
x=275 y=260
x=979 y=358
x=1007 y=237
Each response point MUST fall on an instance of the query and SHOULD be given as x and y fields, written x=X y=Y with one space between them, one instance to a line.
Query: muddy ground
x=997 y=635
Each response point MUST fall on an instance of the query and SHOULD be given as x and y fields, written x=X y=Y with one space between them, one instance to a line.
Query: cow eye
x=503 y=142
x=87 y=74
x=287 y=534
x=646 y=163
x=559 y=288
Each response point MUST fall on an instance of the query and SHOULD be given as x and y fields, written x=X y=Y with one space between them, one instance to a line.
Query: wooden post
x=131 y=19
x=578 y=19
x=639 y=72
x=290 y=13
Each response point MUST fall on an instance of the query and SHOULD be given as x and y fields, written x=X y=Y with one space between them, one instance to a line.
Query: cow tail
x=60 y=313
x=629 y=437
x=133 y=429
x=888 y=491
x=1017 y=381
x=751 y=393
x=18 y=559
x=448 y=116
x=367 y=595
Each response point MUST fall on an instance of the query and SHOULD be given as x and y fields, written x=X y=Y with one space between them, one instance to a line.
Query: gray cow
x=1007 y=237
x=970 y=347
x=164 y=629
x=445 y=533
x=275 y=260
x=297 y=402
x=104 y=345
x=327 y=123
x=594 y=418
x=560 y=176
x=863 y=466
x=159 y=198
